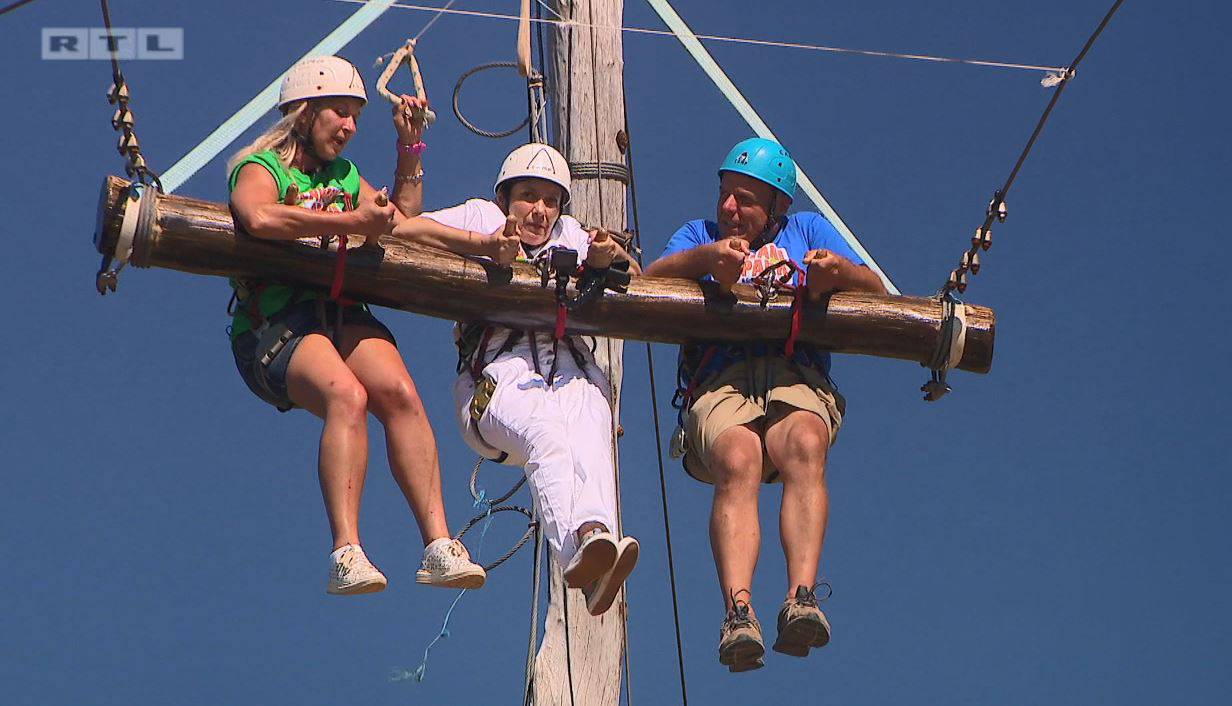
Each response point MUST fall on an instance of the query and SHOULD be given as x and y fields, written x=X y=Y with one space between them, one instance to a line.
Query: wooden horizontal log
x=199 y=237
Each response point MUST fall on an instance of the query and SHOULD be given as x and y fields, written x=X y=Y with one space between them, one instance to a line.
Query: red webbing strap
x=255 y=318
x=697 y=374
x=797 y=312
x=562 y=314
x=335 y=289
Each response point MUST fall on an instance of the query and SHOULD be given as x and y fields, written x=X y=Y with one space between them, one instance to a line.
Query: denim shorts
x=268 y=381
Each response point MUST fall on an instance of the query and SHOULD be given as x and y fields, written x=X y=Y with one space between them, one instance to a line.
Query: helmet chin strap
x=771 y=221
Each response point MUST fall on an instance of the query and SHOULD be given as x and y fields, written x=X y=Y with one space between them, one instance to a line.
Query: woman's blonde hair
x=280 y=138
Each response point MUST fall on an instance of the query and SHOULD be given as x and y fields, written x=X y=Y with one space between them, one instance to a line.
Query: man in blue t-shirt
x=752 y=414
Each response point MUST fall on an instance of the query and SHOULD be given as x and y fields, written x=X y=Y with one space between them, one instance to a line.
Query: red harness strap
x=335 y=289
x=562 y=315
x=255 y=318
x=687 y=397
x=797 y=312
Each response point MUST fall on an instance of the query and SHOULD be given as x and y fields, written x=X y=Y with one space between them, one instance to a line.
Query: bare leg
x=735 y=462
x=320 y=382
x=587 y=528
x=409 y=441
x=797 y=445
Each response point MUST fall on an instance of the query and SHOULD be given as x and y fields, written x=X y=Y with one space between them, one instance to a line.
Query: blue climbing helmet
x=764 y=160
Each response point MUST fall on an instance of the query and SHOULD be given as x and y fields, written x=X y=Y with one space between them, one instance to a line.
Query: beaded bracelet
x=415 y=149
x=416 y=178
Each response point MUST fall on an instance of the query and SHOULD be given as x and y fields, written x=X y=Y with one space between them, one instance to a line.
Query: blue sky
x=1056 y=531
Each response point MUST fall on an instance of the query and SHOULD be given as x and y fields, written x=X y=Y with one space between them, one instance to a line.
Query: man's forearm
x=863 y=279
x=693 y=263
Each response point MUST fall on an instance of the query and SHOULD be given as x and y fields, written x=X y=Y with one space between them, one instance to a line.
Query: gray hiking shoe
x=740 y=644
x=801 y=624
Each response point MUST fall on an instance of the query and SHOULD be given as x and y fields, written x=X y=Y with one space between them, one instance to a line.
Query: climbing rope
x=530 y=530
x=532 y=645
x=627 y=150
x=997 y=210
x=494 y=506
x=490 y=508
x=599 y=170
x=536 y=102
x=421 y=670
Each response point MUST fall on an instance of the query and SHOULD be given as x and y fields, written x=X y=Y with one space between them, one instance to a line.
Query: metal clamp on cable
x=951 y=342
x=132 y=240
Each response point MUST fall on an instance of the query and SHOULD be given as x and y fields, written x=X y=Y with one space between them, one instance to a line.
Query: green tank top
x=333 y=188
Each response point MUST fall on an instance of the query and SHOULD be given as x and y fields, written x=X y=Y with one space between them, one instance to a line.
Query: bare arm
x=830 y=272
x=622 y=254
x=254 y=201
x=603 y=250
x=426 y=231
x=367 y=193
x=408 y=191
x=723 y=260
x=865 y=280
x=694 y=263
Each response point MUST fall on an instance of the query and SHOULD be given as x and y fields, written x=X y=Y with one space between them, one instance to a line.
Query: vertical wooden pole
x=585 y=90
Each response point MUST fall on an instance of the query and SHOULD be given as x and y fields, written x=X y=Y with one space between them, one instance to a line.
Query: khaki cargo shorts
x=761 y=392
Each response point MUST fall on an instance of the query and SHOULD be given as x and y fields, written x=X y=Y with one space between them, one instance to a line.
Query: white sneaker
x=593 y=558
x=352 y=573
x=447 y=564
x=602 y=592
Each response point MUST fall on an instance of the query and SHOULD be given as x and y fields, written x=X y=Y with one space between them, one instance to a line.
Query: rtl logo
x=128 y=43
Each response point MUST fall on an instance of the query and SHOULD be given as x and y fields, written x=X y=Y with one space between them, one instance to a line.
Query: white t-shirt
x=484 y=216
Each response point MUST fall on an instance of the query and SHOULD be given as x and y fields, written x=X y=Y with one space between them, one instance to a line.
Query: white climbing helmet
x=320 y=77
x=535 y=160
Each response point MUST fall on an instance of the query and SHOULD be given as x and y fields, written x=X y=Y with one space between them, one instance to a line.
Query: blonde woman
x=296 y=348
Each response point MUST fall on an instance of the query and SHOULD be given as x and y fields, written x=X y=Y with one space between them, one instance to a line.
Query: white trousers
x=561 y=436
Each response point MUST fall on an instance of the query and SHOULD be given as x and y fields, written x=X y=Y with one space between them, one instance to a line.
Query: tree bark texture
x=587 y=74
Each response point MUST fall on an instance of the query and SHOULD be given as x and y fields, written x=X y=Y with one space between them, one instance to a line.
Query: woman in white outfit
x=523 y=397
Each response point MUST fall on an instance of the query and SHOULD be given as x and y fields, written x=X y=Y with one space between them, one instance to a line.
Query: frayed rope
x=417 y=674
